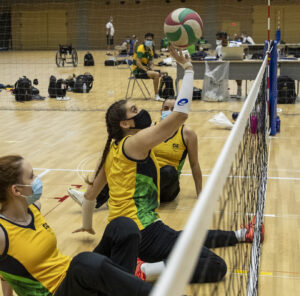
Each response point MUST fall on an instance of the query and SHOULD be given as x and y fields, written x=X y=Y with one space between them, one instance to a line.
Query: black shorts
x=140 y=73
x=109 y=40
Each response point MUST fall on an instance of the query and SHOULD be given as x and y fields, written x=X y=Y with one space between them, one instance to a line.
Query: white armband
x=88 y=207
x=184 y=98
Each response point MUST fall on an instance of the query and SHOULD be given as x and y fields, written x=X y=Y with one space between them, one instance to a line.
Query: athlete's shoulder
x=188 y=133
x=3 y=239
x=141 y=48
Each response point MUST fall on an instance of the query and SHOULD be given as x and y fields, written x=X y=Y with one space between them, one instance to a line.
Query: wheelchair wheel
x=59 y=60
x=74 y=57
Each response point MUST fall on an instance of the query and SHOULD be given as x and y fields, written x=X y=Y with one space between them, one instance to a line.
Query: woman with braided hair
x=130 y=169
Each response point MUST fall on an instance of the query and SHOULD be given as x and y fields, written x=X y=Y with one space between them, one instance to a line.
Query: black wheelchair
x=66 y=54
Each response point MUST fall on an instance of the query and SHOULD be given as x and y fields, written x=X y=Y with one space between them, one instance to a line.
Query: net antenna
x=183 y=259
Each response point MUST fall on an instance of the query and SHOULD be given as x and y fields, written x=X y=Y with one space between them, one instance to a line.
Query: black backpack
x=52 y=87
x=257 y=56
x=81 y=80
x=88 y=59
x=166 y=89
x=61 y=87
x=110 y=63
x=286 y=90
x=23 y=89
x=197 y=93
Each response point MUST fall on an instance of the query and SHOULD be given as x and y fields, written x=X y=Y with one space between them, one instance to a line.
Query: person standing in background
x=110 y=31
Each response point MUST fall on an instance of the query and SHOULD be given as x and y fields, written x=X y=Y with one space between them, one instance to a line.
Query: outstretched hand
x=179 y=57
x=90 y=231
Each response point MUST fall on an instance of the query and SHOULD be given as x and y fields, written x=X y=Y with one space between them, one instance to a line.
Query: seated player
x=143 y=63
x=124 y=47
x=170 y=155
x=222 y=41
x=31 y=263
x=129 y=166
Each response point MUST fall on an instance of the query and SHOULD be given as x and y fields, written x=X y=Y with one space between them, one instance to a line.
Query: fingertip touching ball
x=183 y=27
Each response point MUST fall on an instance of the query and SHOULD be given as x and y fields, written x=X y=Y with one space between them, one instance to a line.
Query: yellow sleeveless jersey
x=31 y=262
x=144 y=55
x=172 y=151
x=133 y=186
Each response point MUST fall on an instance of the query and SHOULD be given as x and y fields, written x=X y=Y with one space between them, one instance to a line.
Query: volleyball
x=183 y=27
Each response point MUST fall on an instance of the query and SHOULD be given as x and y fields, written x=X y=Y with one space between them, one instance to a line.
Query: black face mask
x=141 y=120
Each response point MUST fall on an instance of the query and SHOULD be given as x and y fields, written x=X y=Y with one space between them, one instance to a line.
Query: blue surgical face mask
x=164 y=114
x=37 y=188
x=148 y=43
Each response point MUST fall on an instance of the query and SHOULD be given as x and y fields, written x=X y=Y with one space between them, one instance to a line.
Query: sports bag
x=286 y=90
x=83 y=83
x=197 y=93
x=52 y=87
x=166 y=89
x=23 y=89
x=88 y=59
x=61 y=88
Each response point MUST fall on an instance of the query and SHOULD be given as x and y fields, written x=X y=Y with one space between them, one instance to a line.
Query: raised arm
x=191 y=141
x=138 y=146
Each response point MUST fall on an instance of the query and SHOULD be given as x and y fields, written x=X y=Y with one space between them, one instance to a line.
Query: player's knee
x=169 y=172
x=125 y=227
x=86 y=263
x=221 y=268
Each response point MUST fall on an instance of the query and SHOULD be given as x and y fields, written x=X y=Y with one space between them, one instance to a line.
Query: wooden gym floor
x=63 y=141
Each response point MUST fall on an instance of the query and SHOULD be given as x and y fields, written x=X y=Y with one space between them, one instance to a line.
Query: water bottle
x=278 y=124
x=84 y=87
x=253 y=123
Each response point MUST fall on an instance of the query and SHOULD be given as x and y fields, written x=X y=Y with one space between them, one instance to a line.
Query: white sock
x=153 y=270
x=241 y=234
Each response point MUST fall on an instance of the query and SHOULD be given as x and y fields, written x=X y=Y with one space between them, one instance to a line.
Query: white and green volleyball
x=183 y=27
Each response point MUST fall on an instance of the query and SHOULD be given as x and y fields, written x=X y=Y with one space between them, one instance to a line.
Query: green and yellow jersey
x=133 y=186
x=31 y=262
x=145 y=55
x=172 y=151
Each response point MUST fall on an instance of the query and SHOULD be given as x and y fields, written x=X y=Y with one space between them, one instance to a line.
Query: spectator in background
x=143 y=63
x=132 y=45
x=237 y=38
x=125 y=46
x=222 y=41
x=247 y=39
x=110 y=31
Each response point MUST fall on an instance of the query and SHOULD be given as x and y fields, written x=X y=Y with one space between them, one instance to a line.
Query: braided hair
x=114 y=115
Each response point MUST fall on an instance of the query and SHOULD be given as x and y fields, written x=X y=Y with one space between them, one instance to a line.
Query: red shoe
x=250 y=231
x=138 y=271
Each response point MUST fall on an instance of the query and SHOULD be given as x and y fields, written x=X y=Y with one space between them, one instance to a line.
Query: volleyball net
x=232 y=197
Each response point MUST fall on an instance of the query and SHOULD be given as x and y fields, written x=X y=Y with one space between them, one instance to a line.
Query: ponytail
x=104 y=155
x=114 y=115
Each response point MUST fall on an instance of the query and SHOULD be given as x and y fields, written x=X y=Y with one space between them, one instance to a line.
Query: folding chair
x=140 y=84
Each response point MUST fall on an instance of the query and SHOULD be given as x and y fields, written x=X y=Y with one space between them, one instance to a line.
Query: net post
x=267 y=52
x=273 y=88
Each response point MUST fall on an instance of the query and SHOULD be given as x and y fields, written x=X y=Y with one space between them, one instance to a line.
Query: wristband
x=186 y=65
x=88 y=207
